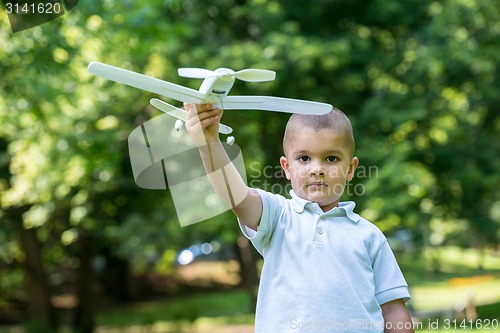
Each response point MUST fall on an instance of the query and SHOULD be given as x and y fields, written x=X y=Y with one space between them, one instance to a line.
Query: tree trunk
x=84 y=316
x=248 y=268
x=41 y=311
x=117 y=278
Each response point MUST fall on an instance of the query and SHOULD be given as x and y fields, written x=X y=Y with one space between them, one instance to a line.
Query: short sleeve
x=390 y=283
x=272 y=206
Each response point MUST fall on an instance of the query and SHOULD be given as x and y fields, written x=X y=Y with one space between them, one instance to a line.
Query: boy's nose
x=317 y=170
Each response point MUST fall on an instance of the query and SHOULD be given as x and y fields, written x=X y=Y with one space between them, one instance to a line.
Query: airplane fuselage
x=218 y=86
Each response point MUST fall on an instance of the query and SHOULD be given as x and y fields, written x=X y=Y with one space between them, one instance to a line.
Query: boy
x=325 y=268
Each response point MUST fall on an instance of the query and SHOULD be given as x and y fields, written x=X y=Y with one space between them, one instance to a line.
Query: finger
x=197 y=112
x=197 y=117
x=208 y=121
x=205 y=119
x=209 y=113
x=190 y=109
x=197 y=108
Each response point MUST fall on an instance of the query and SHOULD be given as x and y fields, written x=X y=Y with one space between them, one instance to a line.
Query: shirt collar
x=299 y=204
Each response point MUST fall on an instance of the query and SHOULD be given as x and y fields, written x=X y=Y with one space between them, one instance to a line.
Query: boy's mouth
x=317 y=185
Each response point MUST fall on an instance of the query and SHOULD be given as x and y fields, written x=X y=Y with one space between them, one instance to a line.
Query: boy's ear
x=352 y=168
x=284 y=165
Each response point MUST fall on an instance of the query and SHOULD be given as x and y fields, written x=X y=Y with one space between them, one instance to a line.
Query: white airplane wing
x=147 y=83
x=270 y=103
x=181 y=113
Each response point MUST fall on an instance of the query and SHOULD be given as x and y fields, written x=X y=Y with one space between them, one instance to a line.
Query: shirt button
x=319 y=230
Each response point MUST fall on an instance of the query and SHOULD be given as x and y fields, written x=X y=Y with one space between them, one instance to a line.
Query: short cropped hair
x=335 y=120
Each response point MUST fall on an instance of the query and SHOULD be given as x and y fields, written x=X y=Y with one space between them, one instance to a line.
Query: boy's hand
x=202 y=123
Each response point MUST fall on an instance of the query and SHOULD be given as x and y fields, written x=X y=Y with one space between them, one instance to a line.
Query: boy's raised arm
x=202 y=124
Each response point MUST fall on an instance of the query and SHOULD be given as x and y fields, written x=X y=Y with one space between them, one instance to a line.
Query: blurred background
x=83 y=249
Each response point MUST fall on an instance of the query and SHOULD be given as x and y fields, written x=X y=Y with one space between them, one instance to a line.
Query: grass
x=205 y=312
x=458 y=279
x=229 y=307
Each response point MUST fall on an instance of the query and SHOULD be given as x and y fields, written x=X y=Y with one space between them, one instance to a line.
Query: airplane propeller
x=249 y=75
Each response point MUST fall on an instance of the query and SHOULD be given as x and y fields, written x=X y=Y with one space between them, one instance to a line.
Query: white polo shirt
x=323 y=272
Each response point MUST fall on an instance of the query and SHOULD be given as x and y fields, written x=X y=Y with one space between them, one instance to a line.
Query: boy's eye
x=331 y=159
x=303 y=158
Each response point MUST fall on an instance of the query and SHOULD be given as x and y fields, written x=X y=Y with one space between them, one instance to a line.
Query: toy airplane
x=214 y=89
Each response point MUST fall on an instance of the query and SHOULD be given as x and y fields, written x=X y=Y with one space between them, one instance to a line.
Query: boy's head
x=319 y=156
x=335 y=120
